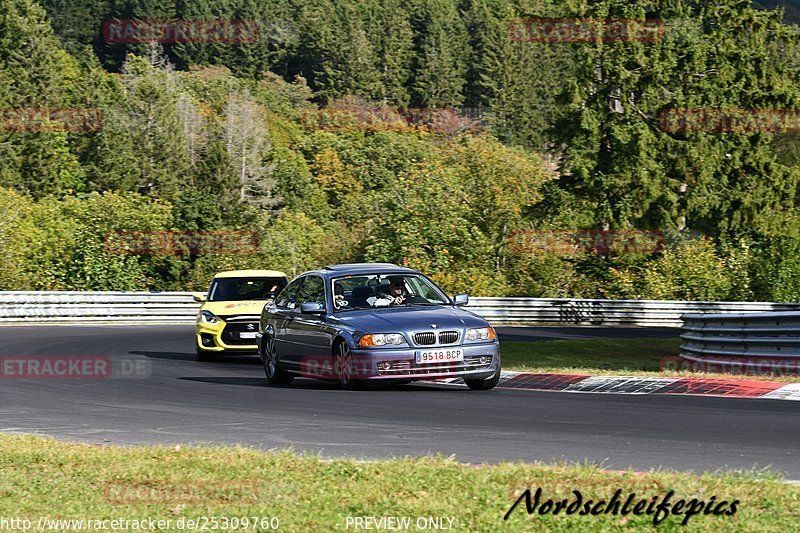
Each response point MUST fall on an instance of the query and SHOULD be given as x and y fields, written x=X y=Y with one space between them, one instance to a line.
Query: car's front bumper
x=481 y=361
x=216 y=338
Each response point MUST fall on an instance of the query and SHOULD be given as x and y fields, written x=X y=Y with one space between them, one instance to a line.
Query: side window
x=287 y=299
x=313 y=290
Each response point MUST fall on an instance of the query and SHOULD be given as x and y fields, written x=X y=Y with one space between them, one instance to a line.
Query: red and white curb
x=645 y=385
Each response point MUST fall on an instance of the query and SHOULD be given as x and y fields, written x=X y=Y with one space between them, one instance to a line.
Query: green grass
x=43 y=477
x=606 y=357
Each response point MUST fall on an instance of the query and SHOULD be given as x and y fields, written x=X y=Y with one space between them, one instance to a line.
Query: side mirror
x=312 y=308
x=460 y=299
x=199 y=296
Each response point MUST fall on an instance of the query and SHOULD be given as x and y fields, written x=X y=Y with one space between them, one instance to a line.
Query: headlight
x=381 y=339
x=484 y=334
x=207 y=317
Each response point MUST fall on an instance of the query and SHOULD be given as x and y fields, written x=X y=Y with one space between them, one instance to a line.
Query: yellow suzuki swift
x=228 y=319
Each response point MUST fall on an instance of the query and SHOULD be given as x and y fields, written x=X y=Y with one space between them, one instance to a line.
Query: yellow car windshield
x=237 y=289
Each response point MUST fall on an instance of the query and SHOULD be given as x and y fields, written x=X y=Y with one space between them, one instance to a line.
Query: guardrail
x=179 y=307
x=80 y=307
x=741 y=339
x=645 y=313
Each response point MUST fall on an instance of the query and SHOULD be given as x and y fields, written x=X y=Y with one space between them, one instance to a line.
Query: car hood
x=244 y=307
x=398 y=320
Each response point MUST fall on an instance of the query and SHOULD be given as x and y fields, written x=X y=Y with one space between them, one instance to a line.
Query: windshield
x=368 y=291
x=235 y=289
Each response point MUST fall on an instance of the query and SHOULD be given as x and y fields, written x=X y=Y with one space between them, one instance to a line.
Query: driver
x=398 y=295
x=397 y=290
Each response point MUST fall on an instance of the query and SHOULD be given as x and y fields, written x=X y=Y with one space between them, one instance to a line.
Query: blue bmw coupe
x=371 y=323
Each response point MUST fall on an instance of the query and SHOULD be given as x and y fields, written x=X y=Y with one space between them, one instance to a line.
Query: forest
x=456 y=137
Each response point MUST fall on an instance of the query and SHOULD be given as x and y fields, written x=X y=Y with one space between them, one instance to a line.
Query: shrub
x=776 y=270
x=692 y=271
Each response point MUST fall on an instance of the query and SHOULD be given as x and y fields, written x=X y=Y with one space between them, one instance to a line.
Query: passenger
x=338 y=296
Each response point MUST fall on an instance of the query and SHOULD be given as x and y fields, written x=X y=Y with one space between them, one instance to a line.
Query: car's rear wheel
x=344 y=367
x=272 y=365
x=484 y=384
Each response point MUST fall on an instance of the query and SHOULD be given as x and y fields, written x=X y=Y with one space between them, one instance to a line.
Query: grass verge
x=610 y=357
x=44 y=477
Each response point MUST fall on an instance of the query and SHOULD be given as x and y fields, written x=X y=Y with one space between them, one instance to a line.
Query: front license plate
x=439 y=356
x=247 y=335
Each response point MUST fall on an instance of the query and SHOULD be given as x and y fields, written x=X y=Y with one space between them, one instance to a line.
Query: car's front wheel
x=272 y=366
x=484 y=384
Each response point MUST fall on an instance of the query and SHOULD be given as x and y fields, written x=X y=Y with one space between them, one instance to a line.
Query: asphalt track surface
x=179 y=400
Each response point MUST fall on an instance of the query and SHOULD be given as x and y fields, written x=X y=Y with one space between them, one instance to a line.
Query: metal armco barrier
x=741 y=339
x=80 y=307
x=653 y=313
x=179 y=307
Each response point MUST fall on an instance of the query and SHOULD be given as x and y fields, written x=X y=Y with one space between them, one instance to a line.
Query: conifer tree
x=442 y=53
x=621 y=160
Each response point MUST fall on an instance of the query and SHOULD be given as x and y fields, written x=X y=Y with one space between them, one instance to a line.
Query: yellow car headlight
x=207 y=317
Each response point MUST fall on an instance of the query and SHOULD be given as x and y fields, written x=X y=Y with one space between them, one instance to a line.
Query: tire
x=484 y=384
x=343 y=367
x=205 y=356
x=272 y=366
